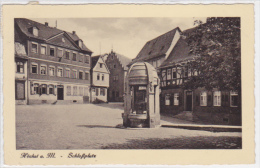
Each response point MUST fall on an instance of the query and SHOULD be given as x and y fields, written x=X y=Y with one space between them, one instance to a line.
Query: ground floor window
x=43 y=89
x=51 y=89
x=36 y=88
x=233 y=99
x=176 y=99
x=203 y=99
x=75 y=91
x=68 y=90
x=81 y=91
x=217 y=98
x=102 y=92
x=167 y=99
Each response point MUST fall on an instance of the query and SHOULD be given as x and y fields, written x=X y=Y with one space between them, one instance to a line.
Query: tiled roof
x=45 y=32
x=94 y=60
x=156 y=47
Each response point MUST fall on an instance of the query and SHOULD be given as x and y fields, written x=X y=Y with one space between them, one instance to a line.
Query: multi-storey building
x=100 y=79
x=210 y=106
x=117 y=65
x=57 y=66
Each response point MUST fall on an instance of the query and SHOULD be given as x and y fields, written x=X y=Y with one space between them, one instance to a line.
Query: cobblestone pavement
x=89 y=126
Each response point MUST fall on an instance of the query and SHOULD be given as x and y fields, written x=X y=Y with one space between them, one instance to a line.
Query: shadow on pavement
x=101 y=126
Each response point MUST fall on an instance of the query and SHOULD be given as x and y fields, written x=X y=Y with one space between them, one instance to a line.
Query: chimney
x=73 y=32
x=46 y=24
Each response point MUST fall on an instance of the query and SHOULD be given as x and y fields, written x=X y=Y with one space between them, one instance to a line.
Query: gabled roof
x=181 y=51
x=157 y=46
x=124 y=61
x=45 y=32
x=94 y=60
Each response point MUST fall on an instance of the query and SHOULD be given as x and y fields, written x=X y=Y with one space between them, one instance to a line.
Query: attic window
x=35 y=31
x=80 y=43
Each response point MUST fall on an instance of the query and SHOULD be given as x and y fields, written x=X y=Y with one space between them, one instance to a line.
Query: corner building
x=56 y=64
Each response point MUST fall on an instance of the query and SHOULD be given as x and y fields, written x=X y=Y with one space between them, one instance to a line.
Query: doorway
x=189 y=101
x=60 y=93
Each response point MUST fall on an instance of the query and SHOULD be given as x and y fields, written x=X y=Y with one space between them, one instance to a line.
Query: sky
x=125 y=36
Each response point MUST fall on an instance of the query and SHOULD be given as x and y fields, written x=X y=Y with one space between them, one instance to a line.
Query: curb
x=211 y=128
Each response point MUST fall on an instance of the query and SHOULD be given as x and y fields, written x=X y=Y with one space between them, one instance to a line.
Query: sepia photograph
x=128 y=83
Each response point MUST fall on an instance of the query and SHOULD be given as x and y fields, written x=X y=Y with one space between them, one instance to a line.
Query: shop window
x=167 y=99
x=81 y=91
x=203 y=99
x=80 y=75
x=217 y=98
x=44 y=50
x=103 y=77
x=97 y=91
x=52 y=51
x=74 y=74
x=51 y=89
x=44 y=89
x=19 y=67
x=74 y=57
x=86 y=76
x=98 y=76
x=51 y=71
x=68 y=90
x=60 y=72
x=67 y=55
x=176 y=99
x=43 y=69
x=75 y=91
x=233 y=99
x=67 y=73
x=34 y=48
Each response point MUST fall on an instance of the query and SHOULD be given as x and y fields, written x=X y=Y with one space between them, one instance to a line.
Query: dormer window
x=35 y=31
x=80 y=43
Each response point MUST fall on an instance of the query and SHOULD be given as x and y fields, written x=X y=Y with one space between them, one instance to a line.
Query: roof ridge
x=176 y=28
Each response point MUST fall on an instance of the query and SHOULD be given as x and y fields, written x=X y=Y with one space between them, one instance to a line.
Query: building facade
x=117 y=65
x=100 y=80
x=58 y=65
x=213 y=106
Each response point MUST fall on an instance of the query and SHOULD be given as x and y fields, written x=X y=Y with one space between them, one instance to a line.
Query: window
x=233 y=99
x=115 y=78
x=114 y=65
x=60 y=53
x=167 y=99
x=81 y=91
x=80 y=58
x=174 y=74
x=43 y=50
x=87 y=59
x=98 y=76
x=34 y=68
x=117 y=93
x=217 y=98
x=74 y=57
x=52 y=51
x=176 y=99
x=169 y=74
x=44 y=89
x=80 y=75
x=103 y=77
x=203 y=99
x=185 y=72
x=100 y=65
x=102 y=92
x=43 y=69
x=51 y=71
x=67 y=55
x=67 y=73
x=19 y=67
x=97 y=91
x=85 y=91
x=36 y=88
x=34 y=47
x=68 y=90
x=74 y=74
x=51 y=89
x=60 y=72
x=86 y=76
x=75 y=91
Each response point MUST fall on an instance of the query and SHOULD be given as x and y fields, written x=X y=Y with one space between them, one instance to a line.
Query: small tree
x=217 y=47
